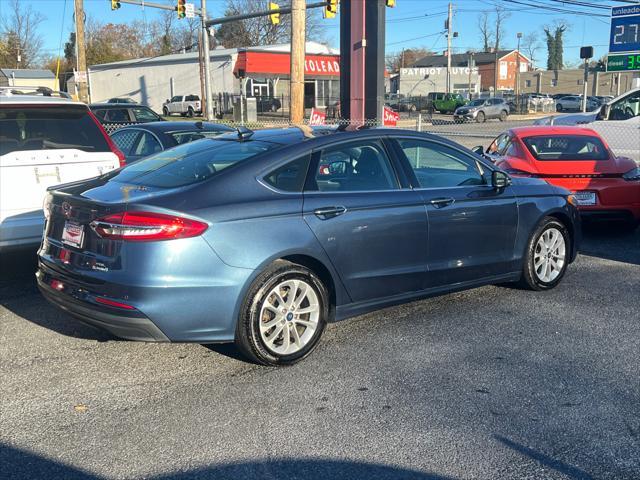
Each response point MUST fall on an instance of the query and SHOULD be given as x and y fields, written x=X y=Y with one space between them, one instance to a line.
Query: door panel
x=374 y=233
x=472 y=226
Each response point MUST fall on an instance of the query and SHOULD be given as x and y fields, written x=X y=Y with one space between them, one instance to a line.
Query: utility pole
x=82 y=58
x=296 y=84
x=207 y=62
x=449 y=32
x=516 y=88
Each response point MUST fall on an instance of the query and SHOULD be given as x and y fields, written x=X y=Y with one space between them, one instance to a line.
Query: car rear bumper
x=131 y=325
x=178 y=291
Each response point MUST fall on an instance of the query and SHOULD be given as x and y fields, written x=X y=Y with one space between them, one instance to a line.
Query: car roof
x=533 y=131
x=178 y=126
x=36 y=100
x=115 y=105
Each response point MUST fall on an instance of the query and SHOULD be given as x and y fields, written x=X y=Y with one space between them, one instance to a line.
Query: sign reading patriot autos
x=624 y=39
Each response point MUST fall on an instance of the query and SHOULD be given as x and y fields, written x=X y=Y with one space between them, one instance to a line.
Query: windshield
x=566 y=147
x=190 y=163
x=475 y=103
x=49 y=128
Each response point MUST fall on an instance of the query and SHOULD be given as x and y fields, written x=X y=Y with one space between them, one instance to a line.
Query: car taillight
x=112 y=146
x=146 y=226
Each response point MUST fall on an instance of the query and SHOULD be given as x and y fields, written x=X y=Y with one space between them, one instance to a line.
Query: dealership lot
x=490 y=383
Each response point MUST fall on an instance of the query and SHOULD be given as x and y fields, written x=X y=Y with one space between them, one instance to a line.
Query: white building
x=262 y=71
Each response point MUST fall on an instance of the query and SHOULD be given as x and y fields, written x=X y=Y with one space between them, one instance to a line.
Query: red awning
x=279 y=64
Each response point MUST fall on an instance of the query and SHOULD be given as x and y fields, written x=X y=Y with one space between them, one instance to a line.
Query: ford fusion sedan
x=578 y=159
x=263 y=238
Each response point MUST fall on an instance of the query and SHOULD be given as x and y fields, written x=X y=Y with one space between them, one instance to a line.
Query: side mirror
x=603 y=114
x=500 y=180
x=479 y=149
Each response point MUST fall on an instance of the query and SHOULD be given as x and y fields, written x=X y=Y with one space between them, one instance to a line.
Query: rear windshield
x=49 y=128
x=190 y=136
x=190 y=163
x=566 y=147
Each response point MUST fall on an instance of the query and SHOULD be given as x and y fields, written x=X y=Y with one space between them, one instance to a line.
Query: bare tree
x=19 y=32
x=530 y=46
x=501 y=15
x=486 y=34
x=405 y=58
x=260 y=30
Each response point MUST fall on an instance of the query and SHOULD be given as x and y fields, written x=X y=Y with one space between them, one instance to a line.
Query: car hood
x=569 y=119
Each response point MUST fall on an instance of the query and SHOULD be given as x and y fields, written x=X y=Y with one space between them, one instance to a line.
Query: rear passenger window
x=354 y=167
x=290 y=177
x=438 y=166
x=125 y=139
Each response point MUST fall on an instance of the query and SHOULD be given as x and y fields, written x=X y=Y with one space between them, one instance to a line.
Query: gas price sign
x=624 y=39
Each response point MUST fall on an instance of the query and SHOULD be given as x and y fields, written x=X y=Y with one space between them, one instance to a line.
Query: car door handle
x=326 y=213
x=442 y=202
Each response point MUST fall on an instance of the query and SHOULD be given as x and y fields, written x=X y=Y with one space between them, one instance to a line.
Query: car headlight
x=632 y=175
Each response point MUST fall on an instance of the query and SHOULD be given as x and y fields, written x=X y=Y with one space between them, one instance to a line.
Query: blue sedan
x=262 y=238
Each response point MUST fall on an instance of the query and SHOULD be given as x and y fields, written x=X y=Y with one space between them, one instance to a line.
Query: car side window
x=439 y=166
x=354 y=167
x=175 y=99
x=100 y=114
x=125 y=139
x=117 y=115
x=290 y=177
x=144 y=115
x=147 y=145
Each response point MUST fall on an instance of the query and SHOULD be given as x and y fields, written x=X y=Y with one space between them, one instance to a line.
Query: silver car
x=482 y=109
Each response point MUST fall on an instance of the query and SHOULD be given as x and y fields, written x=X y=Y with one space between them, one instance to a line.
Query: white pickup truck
x=185 y=105
x=617 y=121
x=44 y=141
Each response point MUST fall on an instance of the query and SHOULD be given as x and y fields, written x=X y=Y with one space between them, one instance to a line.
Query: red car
x=577 y=159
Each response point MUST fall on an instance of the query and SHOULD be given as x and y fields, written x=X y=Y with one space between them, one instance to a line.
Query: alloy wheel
x=289 y=317
x=549 y=255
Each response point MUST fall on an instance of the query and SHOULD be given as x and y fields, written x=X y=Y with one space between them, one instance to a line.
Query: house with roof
x=497 y=70
x=27 y=77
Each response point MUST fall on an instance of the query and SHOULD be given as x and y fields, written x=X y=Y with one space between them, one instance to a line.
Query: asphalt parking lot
x=491 y=383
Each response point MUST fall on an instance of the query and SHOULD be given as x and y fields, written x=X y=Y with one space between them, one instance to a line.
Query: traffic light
x=331 y=9
x=274 y=17
x=181 y=8
x=390 y=3
x=115 y=4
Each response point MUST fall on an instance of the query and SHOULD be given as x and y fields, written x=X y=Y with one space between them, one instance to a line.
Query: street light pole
x=449 y=31
x=516 y=88
x=296 y=85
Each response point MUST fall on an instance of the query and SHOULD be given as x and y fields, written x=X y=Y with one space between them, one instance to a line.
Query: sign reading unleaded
x=625 y=29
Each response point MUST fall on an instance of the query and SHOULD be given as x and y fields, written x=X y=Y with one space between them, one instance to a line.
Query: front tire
x=283 y=315
x=480 y=117
x=190 y=112
x=547 y=256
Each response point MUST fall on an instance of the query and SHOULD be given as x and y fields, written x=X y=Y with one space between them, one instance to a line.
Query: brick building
x=502 y=62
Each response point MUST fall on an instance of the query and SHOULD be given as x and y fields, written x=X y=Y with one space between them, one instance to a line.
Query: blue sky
x=412 y=23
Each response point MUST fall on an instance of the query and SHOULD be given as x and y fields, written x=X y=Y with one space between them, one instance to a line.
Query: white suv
x=44 y=141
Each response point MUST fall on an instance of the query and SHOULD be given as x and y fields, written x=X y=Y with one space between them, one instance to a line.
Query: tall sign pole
x=81 y=75
x=208 y=102
x=449 y=33
x=296 y=84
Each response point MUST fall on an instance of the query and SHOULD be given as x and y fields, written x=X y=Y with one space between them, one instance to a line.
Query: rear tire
x=165 y=111
x=558 y=108
x=547 y=256
x=503 y=116
x=295 y=323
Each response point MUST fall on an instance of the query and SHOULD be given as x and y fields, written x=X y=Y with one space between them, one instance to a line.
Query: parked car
x=446 y=102
x=399 y=103
x=139 y=141
x=266 y=103
x=113 y=116
x=578 y=159
x=185 y=105
x=574 y=102
x=482 y=109
x=121 y=100
x=263 y=237
x=44 y=141
x=617 y=121
x=558 y=96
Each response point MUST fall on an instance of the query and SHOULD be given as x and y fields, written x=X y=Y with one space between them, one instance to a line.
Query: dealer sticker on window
x=73 y=234
x=585 y=198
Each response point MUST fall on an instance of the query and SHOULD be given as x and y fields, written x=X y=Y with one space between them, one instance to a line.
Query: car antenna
x=244 y=133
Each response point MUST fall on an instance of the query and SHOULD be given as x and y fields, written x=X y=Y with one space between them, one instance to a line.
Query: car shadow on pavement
x=20 y=464
x=611 y=241
x=19 y=294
